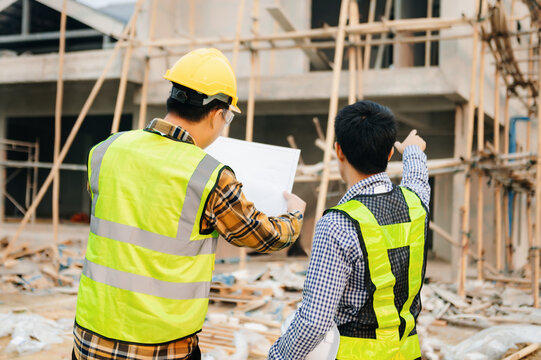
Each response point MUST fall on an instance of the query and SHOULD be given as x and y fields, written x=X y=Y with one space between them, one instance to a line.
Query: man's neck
x=191 y=127
x=352 y=176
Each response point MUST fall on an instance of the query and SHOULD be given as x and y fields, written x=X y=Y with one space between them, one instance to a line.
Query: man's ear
x=390 y=154
x=339 y=153
x=215 y=118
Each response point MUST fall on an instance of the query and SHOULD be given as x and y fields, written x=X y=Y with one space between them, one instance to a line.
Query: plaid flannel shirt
x=334 y=289
x=236 y=219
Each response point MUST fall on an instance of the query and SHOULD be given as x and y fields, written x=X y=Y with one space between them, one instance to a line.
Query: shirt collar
x=170 y=131
x=368 y=186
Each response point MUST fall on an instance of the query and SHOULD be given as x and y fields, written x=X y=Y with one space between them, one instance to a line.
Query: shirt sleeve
x=327 y=276
x=241 y=224
x=415 y=176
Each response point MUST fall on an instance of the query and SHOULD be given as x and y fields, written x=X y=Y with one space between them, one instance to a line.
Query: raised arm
x=241 y=224
x=415 y=173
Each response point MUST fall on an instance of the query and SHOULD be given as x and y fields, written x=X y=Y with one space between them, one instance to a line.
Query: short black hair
x=366 y=132
x=191 y=112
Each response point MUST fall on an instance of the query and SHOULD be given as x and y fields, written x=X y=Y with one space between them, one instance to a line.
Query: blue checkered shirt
x=334 y=289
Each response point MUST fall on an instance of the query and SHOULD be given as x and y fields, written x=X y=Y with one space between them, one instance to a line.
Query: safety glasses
x=228 y=116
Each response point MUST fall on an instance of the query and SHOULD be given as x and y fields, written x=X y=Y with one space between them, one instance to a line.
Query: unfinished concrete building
x=426 y=84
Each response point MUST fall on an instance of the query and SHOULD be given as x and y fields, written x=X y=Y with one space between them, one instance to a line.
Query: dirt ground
x=62 y=306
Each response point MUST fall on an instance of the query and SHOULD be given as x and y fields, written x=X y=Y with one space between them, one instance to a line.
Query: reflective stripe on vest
x=378 y=241
x=146 y=279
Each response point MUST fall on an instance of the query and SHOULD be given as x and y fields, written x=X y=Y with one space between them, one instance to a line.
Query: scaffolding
x=490 y=34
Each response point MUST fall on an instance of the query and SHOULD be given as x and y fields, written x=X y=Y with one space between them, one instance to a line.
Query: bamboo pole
x=428 y=43
x=236 y=44
x=506 y=124
x=250 y=112
x=508 y=244
x=507 y=224
x=497 y=186
x=326 y=44
x=58 y=121
x=71 y=137
x=125 y=68
x=35 y=177
x=236 y=49
x=333 y=108
x=358 y=50
x=191 y=21
x=529 y=225
x=352 y=54
x=368 y=46
x=537 y=245
x=272 y=60
x=467 y=184
x=381 y=49
x=480 y=147
x=378 y=27
x=144 y=88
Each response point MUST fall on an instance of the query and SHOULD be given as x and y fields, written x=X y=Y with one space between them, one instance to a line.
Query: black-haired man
x=368 y=256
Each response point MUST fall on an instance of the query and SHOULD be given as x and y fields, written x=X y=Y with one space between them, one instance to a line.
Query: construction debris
x=32 y=269
x=32 y=333
x=504 y=316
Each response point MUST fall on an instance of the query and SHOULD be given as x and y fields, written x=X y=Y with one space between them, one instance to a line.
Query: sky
x=100 y=3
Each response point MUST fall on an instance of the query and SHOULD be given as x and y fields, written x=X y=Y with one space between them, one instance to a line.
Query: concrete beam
x=317 y=58
x=89 y=16
x=4 y=4
x=315 y=86
x=80 y=65
x=52 y=35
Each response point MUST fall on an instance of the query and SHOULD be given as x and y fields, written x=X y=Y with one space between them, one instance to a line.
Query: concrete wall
x=218 y=18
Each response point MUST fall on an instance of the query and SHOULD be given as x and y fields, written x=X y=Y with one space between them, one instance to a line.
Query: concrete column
x=458 y=187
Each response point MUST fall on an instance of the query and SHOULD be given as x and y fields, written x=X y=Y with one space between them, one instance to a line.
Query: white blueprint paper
x=265 y=171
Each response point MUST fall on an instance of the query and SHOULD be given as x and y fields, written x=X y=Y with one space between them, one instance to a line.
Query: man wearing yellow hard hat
x=159 y=203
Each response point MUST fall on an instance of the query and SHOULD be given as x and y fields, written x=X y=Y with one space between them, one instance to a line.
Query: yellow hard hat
x=207 y=71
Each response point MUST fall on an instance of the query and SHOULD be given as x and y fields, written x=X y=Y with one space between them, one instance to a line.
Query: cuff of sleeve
x=296 y=214
x=412 y=150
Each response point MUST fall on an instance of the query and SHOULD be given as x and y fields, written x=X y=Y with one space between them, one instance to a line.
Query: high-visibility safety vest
x=392 y=230
x=147 y=272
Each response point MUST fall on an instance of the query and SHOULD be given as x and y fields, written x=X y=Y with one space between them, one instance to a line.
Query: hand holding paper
x=294 y=203
x=266 y=172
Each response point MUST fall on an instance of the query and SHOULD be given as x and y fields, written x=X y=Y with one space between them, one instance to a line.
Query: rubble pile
x=248 y=308
x=502 y=313
x=42 y=269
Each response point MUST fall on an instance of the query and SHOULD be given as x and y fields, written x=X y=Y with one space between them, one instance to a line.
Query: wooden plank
x=333 y=108
x=523 y=352
x=317 y=58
